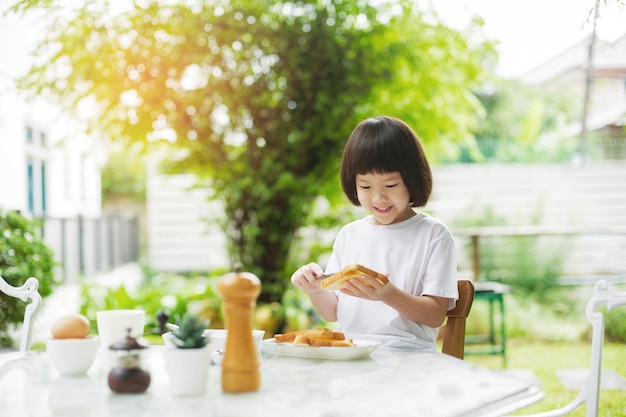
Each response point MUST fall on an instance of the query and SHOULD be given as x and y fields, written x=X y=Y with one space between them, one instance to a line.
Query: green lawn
x=545 y=358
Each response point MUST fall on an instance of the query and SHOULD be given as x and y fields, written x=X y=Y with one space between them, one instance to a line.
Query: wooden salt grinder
x=240 y=365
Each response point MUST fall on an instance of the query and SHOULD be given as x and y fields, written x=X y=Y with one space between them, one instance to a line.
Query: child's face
x=385 y=196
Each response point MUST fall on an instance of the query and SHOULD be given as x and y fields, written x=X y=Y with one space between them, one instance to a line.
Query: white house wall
x=72 y=162
x=179 y=237
x=72 y=159
x=12 y=151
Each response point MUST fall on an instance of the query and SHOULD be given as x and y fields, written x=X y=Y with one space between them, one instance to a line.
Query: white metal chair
x=28 y=291
x=605 y=293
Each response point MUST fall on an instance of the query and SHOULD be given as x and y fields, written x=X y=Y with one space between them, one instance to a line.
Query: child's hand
x=367 y=287
x=305 y=278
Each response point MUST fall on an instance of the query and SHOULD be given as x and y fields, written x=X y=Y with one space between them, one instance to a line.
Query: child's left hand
x=367 y=287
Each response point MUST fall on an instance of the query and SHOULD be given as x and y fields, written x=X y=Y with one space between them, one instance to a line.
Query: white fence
x=85 y=246
x=550 y=195
x=181 y=232
x=583 y=202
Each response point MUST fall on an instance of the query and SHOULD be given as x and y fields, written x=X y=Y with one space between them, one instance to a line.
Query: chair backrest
x=604 y=295
x=454 y=329
x=28 y=291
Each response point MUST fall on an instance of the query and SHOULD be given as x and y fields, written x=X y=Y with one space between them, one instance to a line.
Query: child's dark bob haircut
x=384 y=145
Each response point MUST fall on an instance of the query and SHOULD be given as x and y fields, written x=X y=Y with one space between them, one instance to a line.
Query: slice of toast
x=320 y=341
x=338 y=280
x=314 y=337
x=290 y=336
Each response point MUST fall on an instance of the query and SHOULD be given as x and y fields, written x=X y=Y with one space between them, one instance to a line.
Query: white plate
x=361 y=349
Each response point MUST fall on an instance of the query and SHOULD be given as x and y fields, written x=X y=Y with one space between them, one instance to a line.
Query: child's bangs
x=376 y=157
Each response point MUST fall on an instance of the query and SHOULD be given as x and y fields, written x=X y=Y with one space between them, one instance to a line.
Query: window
x=30 y=178
x=36 y=184
x=29 y=134
x=43 y=186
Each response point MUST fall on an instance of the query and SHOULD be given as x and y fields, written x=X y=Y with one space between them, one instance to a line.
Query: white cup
x=113 y=325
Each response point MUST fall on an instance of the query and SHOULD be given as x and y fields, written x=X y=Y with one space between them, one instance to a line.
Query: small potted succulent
x=189 y=334
x=188 y=358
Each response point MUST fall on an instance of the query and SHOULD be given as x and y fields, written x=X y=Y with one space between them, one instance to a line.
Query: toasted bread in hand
x=338 y=280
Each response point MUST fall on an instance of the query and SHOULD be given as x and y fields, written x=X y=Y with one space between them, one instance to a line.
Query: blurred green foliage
x=257 y=98
x=176 y=294
x=615 y=325
x=531 y=265
x=196 y=294
x=124 y=175
x=23 y=254
x=517 y=122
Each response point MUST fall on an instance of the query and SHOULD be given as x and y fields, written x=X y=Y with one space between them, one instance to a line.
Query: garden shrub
x=615 y=325
x=23 y=254
x=174 y=293
x=196 y=293
x=530 y=265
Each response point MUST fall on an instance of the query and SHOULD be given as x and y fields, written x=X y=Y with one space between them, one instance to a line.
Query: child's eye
x=391 y=185
x=364 y=187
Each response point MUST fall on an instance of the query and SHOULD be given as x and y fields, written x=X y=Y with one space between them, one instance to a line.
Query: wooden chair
x=453 y=332
x=28 y=291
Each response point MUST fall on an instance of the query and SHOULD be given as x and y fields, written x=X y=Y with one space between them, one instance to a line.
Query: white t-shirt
x=419 y=255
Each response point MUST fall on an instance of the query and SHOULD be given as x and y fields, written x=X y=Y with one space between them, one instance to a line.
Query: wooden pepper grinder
x=240 y=365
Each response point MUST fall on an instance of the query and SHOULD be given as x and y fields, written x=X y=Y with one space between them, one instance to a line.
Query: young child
x=384 y=170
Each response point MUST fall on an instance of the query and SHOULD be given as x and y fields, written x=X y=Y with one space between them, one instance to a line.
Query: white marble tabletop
x=387 y=383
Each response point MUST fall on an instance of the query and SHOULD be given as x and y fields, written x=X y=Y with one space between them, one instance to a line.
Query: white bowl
x=217 y=338
x=72 y=356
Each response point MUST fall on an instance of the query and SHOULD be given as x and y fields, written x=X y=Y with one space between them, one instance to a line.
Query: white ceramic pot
x=188 y=370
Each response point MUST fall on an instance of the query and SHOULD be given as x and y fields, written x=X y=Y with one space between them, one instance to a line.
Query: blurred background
x=147 y=146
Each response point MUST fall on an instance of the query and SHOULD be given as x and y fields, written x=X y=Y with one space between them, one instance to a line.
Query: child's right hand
x=305 y=278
